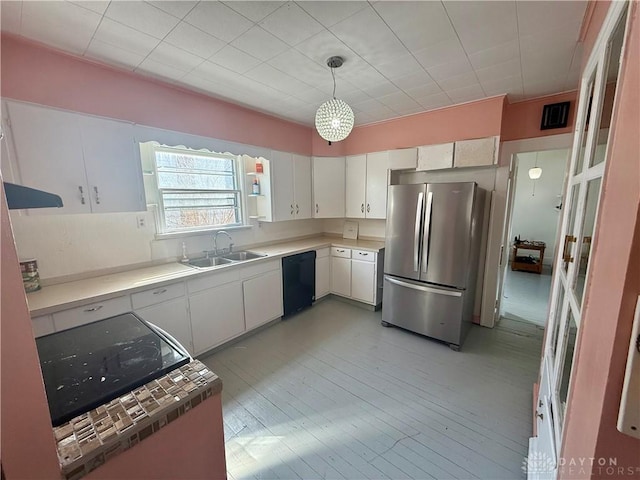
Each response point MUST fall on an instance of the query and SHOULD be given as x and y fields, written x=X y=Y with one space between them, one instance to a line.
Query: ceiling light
x=334 y=118
x=535 y=173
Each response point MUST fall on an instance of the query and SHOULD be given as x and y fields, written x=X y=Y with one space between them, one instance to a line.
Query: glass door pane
x=584 y=250
x=556 y=324
x=583 y=139
x=569 y=339
x=569 y=239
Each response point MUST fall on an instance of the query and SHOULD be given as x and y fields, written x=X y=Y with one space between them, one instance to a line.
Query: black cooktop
x=87 y=366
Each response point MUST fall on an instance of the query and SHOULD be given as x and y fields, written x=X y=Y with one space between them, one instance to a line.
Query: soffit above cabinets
x=402 y=57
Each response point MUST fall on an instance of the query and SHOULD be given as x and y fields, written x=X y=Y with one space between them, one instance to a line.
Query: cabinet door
x=173 y=317
x=262 y=299
x=475 y=153
x=403 y=158
x=112 y=161
x=328 y=187
x=217 y=314
x=355 y=188
x=363 y=281
x=282 y=186
x=341 y=276
x=435 y=157
x=377 y=164
x=302 y=185
x=48 y=151
x=323 y=278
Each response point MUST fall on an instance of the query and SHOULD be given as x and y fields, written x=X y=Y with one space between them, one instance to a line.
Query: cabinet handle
x=339 y=251
x=316 y=208
x=160 y=292
x=368 y=208
x=82 y=201
x=363 y=254
x=292 y=209
x=297 y=209
x=93 y=309
x=540 y=415
x=95 y=189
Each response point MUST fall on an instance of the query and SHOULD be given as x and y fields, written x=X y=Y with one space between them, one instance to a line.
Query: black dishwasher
x=299 y=281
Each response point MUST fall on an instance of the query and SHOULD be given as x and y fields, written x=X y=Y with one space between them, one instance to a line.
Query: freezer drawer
x=427 y=310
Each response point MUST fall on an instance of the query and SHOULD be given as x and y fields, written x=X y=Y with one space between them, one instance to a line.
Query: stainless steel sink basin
x=208 y=262
x=242 y=256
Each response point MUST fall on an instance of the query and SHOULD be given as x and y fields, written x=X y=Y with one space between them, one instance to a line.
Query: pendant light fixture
x=334 y=118
x=535 y=172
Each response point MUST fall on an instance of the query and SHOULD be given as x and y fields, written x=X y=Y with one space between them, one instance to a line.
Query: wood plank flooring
x=330 y=393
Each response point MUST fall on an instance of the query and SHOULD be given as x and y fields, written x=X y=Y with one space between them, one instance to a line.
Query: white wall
x=534 y=214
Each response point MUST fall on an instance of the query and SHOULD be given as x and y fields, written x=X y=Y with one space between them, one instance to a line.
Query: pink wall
x=522 y=119
x=28 y=446
x=38 y=74
x=613 y=286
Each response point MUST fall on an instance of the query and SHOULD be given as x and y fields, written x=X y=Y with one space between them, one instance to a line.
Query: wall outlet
x=140 y=221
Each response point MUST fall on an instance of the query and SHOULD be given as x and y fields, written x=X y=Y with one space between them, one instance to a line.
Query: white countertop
x=61 y=296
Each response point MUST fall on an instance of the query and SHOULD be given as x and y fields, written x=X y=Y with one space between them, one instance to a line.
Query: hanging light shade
x=535 y=173
x=334 y=118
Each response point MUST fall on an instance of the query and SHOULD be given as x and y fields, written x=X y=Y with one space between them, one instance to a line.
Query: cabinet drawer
x=42 y=325
x=323 y=252
x=340 y=252
x=364 y=255
x=227 y=275
x=259 y=269
x=91 y=313
x=157 y=295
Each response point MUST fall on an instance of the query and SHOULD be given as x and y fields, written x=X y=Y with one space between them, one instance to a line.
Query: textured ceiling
x=401 y=57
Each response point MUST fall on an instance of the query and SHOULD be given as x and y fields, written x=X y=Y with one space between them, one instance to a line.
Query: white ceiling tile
x=254 y=11
x=214 y=73
x=176 y=8
x=324 y=45
x=218 y=20
x=501 y=70
x=495 y=55
x=268 y=75
x=367 y=35
x=417 y=24
x=233 y=59
x=466 y=94
x=355 y=96
x=468 y=79
x=435 y=101
x=443 y=52
x=382 y=89
x=291 y=24
x=413 y=81
x=397 y=100
x=194 y=40
x=59 y=24
x=261 y=44
x=425 y=90
x=143 y=17
x=509 y=85
x=447 y=70
x=546 y=87
x=409 y=110
x=400 y=67
x=113 y=55
x=298 y=65
x=175 y=57
x=125 y=38
x=160 y=69
x=313 y=95
x=536 y=17
x=98 y=6
x=10 y=15
x=328 y=14
x=367 y=105
x=382 y=112
x=363 y=118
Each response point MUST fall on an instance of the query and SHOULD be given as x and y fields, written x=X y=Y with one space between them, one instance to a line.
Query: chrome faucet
x=215 y=242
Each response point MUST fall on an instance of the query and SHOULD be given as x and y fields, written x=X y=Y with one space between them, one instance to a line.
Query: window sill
x=206 y=231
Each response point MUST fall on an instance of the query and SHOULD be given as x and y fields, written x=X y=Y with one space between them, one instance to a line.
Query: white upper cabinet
x=290 y=186
x=328 y=187
x=92 y=163
x=476 y=153
x=435 y=157
x=366 y=185
x=403 y=158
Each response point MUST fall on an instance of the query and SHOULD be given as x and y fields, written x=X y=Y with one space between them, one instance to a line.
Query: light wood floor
x=330 y=393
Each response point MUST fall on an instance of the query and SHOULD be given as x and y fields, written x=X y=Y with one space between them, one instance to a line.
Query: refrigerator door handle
x=416 y=233
x=413 y=286
x=427 y=228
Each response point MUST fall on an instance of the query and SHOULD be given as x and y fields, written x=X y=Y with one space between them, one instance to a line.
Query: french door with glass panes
x=579 y=224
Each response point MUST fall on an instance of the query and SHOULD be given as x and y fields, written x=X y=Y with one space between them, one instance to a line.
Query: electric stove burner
x=87 y=366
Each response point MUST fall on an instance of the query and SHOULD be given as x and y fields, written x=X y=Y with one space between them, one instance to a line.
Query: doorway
x=532 y=232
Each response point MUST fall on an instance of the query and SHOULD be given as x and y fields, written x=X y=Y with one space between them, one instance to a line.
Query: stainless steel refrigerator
x=432 y=250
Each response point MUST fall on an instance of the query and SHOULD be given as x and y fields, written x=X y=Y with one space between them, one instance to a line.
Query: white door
x=328 y=187
x=173 y=317
x=341 y=276
x=355 y=188
x=363 y=281
x=377 y=165
x=282 y=186
x=262 y=299
x=302 y=185
x=579 y=223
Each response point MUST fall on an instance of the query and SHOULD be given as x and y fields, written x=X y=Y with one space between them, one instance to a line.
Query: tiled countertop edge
x=89 y=440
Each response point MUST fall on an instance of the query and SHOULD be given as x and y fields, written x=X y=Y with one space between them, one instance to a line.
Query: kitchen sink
x=242 y=256
x=207 y=262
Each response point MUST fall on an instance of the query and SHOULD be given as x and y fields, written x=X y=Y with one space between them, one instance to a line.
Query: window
x=196 y=189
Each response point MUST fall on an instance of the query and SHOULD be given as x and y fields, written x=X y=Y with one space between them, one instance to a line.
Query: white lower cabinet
x=363 y=281
x=262 y=299
x=217 y=315
x=171 y=316
x=323 y=273
x=357 y=274
x=341 y=276
x=42 y=325
x=93 y=312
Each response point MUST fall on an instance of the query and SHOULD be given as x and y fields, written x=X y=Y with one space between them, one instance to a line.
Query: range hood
x=25 y=197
